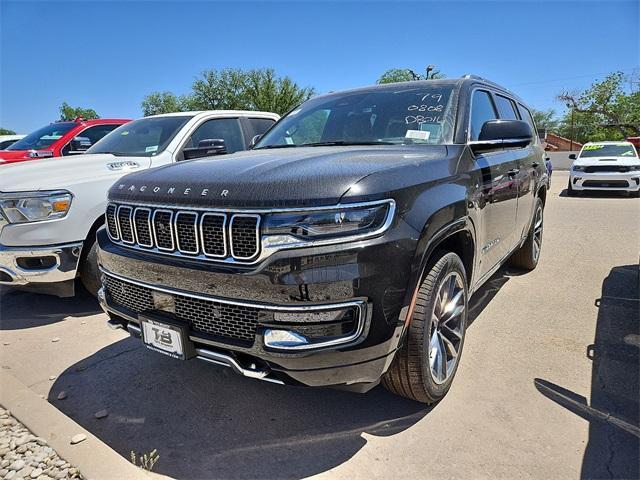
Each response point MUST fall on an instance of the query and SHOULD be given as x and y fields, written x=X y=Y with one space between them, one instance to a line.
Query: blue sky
x=108 y=55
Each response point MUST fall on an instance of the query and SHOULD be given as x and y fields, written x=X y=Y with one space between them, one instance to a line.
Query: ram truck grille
x=192 y=233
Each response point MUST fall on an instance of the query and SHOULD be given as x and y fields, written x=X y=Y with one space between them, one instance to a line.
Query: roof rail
x=482 y=79
x=475 y=77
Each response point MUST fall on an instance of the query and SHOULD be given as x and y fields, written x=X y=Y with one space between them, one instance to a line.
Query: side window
x=526 y=116
x=90 y=136
x=482 y=110
x=260 y=125
x=227 y=129
x=506 y=108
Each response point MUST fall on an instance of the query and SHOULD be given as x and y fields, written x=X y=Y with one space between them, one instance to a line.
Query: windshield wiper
x=286 y=145
x=344 y=142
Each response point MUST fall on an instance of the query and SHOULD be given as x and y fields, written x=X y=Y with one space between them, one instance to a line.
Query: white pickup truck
x=51 y=209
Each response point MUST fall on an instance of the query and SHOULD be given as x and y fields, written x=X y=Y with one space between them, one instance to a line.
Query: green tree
x=67 y=112
x=162 y=102
x=6 y=131
x=546 y=119
x=609 y=109
x=407 y=75
x=232 y=89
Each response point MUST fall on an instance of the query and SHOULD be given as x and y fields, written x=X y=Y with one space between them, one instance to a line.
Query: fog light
x=283 y=339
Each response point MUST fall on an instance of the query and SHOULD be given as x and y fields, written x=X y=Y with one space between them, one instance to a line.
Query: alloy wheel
x=537 y=234
x=447 y=327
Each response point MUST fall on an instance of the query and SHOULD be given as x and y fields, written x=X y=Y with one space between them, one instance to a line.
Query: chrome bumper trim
x=65 y=268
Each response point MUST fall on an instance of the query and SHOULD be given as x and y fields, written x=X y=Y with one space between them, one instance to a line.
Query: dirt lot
x=547 y=388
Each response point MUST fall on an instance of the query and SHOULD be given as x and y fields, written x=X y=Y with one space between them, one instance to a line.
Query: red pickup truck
x=60 y=139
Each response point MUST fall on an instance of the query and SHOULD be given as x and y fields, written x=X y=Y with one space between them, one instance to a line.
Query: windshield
x=608 y=150
x=141 y=138
x=43 y=137
x=394 y=115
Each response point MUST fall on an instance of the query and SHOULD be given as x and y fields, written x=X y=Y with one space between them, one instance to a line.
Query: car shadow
x=597 y=194
x=613 y=413
x=19 y=309
x=207 y=422
x=483 y=296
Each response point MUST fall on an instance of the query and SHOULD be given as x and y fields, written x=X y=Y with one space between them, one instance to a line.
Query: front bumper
x=622 y=181
x=296 y=281
x=48 y=269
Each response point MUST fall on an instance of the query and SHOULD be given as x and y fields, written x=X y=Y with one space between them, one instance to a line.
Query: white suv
x=51 y=209
x=605 y=166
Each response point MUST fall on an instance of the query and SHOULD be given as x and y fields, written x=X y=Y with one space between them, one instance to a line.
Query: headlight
x=578 y=168
x=331 y=225
x=24 y=207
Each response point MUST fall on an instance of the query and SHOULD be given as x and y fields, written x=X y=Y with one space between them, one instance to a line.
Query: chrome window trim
x=195 y=232
x=269 y=247
x=133 y=237
x=244 y=215
x=135 y=228
x=155 y=237
x=115 y=219
x=224 y=234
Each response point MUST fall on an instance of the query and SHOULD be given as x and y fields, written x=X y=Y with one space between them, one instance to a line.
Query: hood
x=65 y=172
x=618 y=161
x=287 y=177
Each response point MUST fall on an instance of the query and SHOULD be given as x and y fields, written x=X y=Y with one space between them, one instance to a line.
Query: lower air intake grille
x=206 y=316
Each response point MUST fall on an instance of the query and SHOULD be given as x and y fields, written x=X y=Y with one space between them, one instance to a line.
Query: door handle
x=513 y=172
x=535 y=164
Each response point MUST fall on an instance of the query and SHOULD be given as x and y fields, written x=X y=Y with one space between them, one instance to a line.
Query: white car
x=605 y=166
x=51 y=209
x=8 y=140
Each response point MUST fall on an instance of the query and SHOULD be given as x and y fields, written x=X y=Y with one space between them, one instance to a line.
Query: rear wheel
x=424 y=367
x=527 y=256
x=89 y=273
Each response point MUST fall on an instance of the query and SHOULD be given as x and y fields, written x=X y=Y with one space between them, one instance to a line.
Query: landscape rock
x=80 y=437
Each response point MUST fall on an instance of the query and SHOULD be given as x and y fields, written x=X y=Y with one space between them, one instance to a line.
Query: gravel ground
x=26 y=456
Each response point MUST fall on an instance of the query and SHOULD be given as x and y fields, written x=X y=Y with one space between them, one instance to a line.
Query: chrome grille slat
x=162 y=221
x=187 y=232
x=124 y=224
x=142 y=226
x=195 y=233
x=213 y=233
x=112 y=223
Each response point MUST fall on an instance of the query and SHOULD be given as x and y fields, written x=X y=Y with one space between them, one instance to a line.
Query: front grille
x=186 y=232
x=124 y=222
x=219 y=319
x=605 y=168
x=605 y=183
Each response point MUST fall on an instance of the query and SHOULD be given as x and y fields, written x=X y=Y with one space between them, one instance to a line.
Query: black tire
x=410 y=375
x=89 y=273
x=635 y=194
x=570 y=191
x=527 y=256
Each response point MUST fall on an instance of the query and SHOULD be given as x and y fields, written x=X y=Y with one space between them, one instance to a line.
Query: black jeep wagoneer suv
x=343 y=249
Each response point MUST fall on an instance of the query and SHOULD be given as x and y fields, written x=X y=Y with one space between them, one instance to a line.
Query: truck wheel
x=425 y=365
x=527 y=256
x=570 y=191
x=89 y=273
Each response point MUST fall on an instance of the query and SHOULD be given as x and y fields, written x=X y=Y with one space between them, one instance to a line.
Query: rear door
x=499 y=191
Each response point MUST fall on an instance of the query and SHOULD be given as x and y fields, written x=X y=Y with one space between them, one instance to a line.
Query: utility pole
x=572 y=134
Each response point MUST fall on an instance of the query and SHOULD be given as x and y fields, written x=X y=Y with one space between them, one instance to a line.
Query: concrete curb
x=95 y=459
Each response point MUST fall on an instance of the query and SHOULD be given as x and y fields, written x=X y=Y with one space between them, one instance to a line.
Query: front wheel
x=570 y=191
x=527 y=256
x=89 y=273
x=424 y=367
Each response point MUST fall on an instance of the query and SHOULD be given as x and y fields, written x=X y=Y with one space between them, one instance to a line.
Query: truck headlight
x=330 y=225
x=26 y=207
x=578 y=168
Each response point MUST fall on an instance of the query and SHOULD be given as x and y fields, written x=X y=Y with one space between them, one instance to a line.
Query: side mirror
x=499 y=134
x=572 y=156
x=79 y=145
x=206 y=148
x=254 y=140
